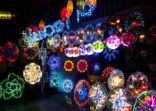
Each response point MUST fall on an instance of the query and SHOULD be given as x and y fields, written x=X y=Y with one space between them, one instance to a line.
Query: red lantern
x=64 y=13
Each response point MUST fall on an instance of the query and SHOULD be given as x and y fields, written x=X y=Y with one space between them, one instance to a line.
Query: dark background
x=32 y=11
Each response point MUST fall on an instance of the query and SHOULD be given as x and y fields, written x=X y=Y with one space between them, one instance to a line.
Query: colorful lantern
x=82 y=66
x=32 y=73
x=116 y=79
x=146 y=101
x=81 y=93
x=98 y=96
x=68 y=65
x=70 y=7
x=137 y=83
x=113 y=42
x=41 y=24
x=120 y=100
x=67 y=85
x=12 y=87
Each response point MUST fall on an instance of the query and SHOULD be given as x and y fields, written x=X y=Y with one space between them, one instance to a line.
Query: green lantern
x=12 y=87
x=80 y=4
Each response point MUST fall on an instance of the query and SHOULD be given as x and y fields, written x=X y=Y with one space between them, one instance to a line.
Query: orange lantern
x=41 y=24
x=92 y=2
x=70 y=7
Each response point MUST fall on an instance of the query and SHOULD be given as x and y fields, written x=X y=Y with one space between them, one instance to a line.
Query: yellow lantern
x=70 y=7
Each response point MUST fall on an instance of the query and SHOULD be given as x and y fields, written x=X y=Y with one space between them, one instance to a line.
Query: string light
x=32 y=73
x=12 y=87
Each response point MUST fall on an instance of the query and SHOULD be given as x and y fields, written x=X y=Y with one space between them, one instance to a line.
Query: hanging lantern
x=70 y=7
x=41 y=24
x=64 y=13
x=92 y=2
x=80 y=4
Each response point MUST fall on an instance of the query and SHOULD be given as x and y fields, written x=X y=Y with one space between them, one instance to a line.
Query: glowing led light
x=80 y=36
x=116 y=79
x=146 y=101
x=65 y=36
x=67 y=85
x=110 y=54
x=53 y=62
x=107 y=71
x=32 y=73
x=41 y=24
x=82 y=66
x=92 y=2
x=81 y=93
x=10 y=52
x=98 y=46
x=89 y=34
x=70 y=7
x=12 y=87
x=55 y=79
x=72 y=38
x=80 y=4
x=30 y=53
x=137 y=83
x=127 y=39
x=32 y=37
x=57 y=40
x=120 y=100
x=68 y=65
x=98 y=96
x=113 y=42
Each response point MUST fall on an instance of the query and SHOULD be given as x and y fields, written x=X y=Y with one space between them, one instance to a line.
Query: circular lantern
x=98 y=46
x=67 y=85
x=53 y=62
x=81 y=93
x=137 y=83
x=146 y=101
x=30 y=53
x=116 y=79
x=32 y=73
x=82 y=66
x=10 y=52
x=113 y=42
x=68 y=65
x=98 y=96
